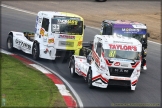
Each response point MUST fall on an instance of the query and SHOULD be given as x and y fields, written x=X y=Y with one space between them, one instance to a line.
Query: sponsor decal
x=42 y=31
x=51 y=40
x=139 y=26
x=40 y=20
x=122 y=42
x=130 y=29
x=44 y=39
x=96 y=58
x=46 y=34
x=121 y=70
x=23 y=44
x=70 y=22
x=123 y=47
x=66 y=37
x=117 y=64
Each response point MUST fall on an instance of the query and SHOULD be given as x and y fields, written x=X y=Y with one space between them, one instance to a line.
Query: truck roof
x=126 y=24
x=54 y=13
x=122 y=22
x=118 y=39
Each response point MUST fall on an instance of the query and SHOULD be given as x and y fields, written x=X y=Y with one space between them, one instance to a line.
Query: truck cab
x=60 y=30
x=57 y=34
x=129 y=29
x=126 y=28
x=113 y=60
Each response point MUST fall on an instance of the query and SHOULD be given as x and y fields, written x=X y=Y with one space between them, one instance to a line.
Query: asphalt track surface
x=148 y=90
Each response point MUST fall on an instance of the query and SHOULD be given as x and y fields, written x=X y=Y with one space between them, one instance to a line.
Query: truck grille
x=124 y=72
x=119 y=82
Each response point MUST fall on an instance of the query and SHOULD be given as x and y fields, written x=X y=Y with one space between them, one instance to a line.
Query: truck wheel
x=35 y=51
x=72 y=68
x=89 y=79
x=10 y=43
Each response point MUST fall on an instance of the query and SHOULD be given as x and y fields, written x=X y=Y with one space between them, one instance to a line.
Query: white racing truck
x=128 y=28
x=56 y=33
x=111 y=60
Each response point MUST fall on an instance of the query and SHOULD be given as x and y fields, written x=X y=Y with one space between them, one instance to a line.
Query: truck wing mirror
x=148 y=34
x=84 y=26
x=89 y=57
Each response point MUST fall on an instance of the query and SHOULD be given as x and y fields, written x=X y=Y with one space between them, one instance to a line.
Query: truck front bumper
x=103 y=80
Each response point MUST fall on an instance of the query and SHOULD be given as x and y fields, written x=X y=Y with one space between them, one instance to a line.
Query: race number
x=56 y=27
x=112 y=53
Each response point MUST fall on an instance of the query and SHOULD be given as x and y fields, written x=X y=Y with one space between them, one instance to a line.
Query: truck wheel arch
x=37 y=43
x=72 y=70
x=72 y=57
x=89 y=82
x=10 y=42
x=10 y=33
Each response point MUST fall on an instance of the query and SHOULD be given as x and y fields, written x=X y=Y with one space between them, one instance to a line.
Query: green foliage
x=26 y=87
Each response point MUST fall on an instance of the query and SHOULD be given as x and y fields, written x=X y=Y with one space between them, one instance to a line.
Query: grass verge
x=26 y=87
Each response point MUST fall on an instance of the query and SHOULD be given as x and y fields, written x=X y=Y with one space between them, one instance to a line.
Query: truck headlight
x=144 y=36
x=145 y=51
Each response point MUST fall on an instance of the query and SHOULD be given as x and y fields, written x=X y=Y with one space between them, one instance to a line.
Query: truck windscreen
x=67 y=25
x=130 y=32
x=131 y=55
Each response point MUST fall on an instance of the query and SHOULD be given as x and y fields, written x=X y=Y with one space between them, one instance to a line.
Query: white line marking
x=63 y=90
x=29 y=12
x=17 y=9
x=43 y=70
x=5 y=52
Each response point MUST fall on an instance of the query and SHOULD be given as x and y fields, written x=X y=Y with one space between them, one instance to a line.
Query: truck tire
x=35 y=51
x=10 y=43
x=89 y=79
x=72 y=68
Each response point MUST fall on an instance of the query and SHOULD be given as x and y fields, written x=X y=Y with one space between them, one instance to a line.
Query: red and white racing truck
x=112 y=60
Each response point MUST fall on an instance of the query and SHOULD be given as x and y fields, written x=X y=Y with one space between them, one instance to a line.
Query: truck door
x=44 y=30
x=98 y=53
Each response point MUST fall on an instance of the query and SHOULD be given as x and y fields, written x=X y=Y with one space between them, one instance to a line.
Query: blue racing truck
x=129 y=29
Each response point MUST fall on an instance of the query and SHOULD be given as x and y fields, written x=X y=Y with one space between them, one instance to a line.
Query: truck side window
x=107 y=30
x=98 y=50
x=45 y=24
